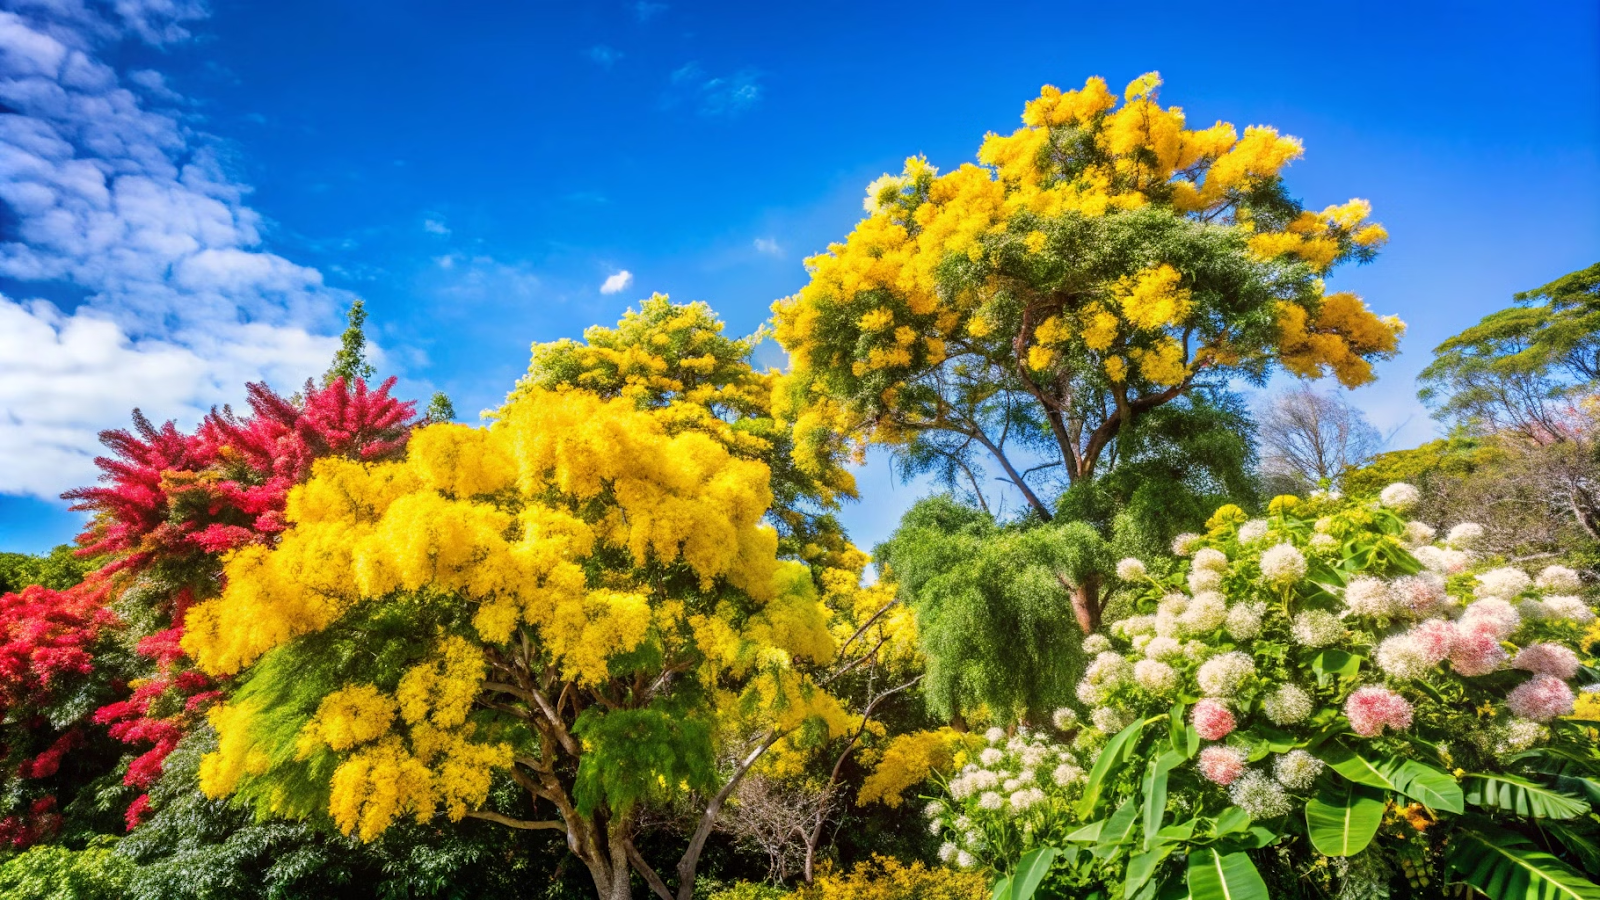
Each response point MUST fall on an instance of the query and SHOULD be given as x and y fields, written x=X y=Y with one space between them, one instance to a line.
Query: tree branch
x=526 y=825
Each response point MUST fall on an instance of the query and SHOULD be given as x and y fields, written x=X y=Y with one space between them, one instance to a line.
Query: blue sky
x=190 y=194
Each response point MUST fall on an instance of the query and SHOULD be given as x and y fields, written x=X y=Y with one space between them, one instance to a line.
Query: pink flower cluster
x=1222 y=765
x=1547 y=659
x=1372 y=708
x=1476 y=651
x=1541 y=698
x=1212 y=720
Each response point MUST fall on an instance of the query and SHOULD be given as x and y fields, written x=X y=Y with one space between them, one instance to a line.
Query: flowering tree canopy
x=1100 y=262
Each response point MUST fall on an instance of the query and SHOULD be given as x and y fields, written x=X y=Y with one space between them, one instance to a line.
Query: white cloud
x=434 y=226
x=768 y=246
x=727 y=95
x=131 y=210
x=617 y=282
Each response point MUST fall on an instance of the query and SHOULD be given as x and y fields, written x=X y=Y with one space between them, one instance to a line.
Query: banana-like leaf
x=1002 y=889
x=1030 y=873
x=1118 y=829
x=1214 y=875
x=1141 y=866
x=1523 y=797
x=1425 y=784
x=1110 y=757
x=1342 y=820
x=1357 y=768
x=1505 y=866
x=1155 y=794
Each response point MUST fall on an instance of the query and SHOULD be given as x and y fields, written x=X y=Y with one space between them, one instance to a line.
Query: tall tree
x=1309 y=438
x=1519 y=368
x=350 y=360
x=1101 y=262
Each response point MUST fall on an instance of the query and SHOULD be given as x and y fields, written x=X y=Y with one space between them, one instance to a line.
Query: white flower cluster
x=1156 y=677
x=1283 y=565
x=1222 y=676
x=1183 y=544
x=1253 y=530
x=1367 y=596
x=1130 y=569
x=1399 y=497
x=1259 y=795
x=1464 y=536
x=1244 y=620
x=1316 y=628
x=1287 y=705
x=1104 y=675
x=1505 y=583
x=1206 y=612
x=1297 y=770
x=1417 y=533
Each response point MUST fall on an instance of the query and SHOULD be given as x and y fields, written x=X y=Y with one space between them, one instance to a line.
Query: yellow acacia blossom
x=908 y=761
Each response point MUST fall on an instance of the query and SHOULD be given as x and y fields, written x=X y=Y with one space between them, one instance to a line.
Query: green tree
x=57 y=570
x=350 y=360
x=1519 y=368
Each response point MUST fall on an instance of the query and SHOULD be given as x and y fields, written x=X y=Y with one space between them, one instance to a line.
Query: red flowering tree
x=169 y=506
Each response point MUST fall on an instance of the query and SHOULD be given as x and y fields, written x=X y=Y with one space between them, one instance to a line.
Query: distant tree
x=1519 y=369
x=440 y=409
x=1102 y=262
x=57 y=570
x=1309 y=438
x=350 y=360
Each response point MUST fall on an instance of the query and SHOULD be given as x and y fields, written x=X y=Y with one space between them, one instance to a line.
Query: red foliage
x=169 y=505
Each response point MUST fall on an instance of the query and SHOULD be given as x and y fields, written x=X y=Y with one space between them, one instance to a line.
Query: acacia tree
x=1099 y=263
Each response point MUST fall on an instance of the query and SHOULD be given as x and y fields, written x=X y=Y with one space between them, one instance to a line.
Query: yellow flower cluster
x=1322 y=239
x=908 y=761
x=1338 y=338
x=887 y=878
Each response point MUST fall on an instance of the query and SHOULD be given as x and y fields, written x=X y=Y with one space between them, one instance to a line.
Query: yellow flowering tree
x=1100 y=262
x=579 y=599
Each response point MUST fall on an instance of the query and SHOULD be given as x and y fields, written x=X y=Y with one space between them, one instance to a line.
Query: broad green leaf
x=1176 y=729
x=1224 y=876
x=1030 y=873
x=1523 y=797
x=1118 y=830
x=1141 y=866
x=1504 y=866
x=1577 y=841
x=1427 y=785
x=1110 y=757
x=1002 y=889
x=1356 y=768
x=1179 y=832
x=1088 y=834
x=1233 y=819
x=1342 y=820
x=1336 y=662
x=1155 y=794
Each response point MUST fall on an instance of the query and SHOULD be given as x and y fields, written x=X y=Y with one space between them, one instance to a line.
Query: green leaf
x=1343 y=820
x=1002 y=889
x=1503 y=865
x=1118 y=830
x=1224 y=876
x=1336 y=662
x=1356 y=768
x=1110 y=758
x=1233 y=819
x=1031 y=870
x=1522 y=797
x=1176 y=732
x=1155 y=794
x=1141 y=866
x=1088 y=834
x=1428 y=786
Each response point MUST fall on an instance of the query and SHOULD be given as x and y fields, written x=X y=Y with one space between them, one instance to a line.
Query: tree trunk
x=1086 y=603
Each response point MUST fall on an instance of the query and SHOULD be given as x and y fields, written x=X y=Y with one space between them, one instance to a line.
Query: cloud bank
x=108 y=197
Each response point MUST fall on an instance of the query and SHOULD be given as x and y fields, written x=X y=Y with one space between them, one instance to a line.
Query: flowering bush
x=886 y=878
x=1330 y=682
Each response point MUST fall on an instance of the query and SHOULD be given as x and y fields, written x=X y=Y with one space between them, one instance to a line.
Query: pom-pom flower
x=1504 y=583
x=1206 y=612
x=1417 y=533
x=1559 y=580
x=1465 y=536
x=1068 y=774
x=1316 y=628
x=1496 y=617
x=1109 y=719
x=1202 y=580
x=1244 y=620
x=1212 y=720
x=1222 y=676
x=1283 y=564
x=1064 y=719
x=1404 y=657
x=1366 y=596
x=1442 y=560
x=1287 y=705
x=1476 y=651
x=1183 y=544
x=1572 y=609
x=1297 y=770
x=1399 y=496
x=1547 y=659
x=1211 y=560
x=1222 y=765
x=1257 y=794
x=1155 y=677
x=1252 y=531
x=1096 y=644
x=1419 y=595
x=1541 y=698
x=1130 y=569
x=1372 y=709
x=1433 y=639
